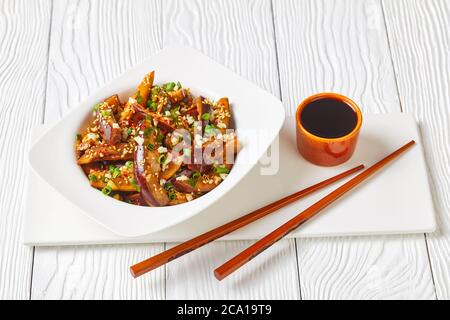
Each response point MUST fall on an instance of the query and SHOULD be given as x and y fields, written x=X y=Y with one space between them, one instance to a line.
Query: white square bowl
x=258 y=117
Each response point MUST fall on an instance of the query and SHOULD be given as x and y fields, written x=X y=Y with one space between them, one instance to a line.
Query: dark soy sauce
x=328 y=118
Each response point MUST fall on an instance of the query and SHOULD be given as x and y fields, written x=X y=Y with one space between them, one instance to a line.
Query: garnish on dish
x=163 y=146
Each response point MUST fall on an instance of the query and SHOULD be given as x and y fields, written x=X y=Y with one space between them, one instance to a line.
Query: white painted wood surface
x=388 y=56
x=420 y=43
x=341 y=46
x=24 y=29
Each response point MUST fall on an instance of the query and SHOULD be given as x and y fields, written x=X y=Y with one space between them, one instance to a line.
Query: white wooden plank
x=24 y=36
x=365 y=268
x=91 y=42
x=272 y=275
x=94 y=272
x=420 y=43
x=341 y=46
x=238 y=34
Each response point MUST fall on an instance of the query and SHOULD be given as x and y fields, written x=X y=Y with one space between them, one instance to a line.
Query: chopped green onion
x=194 y=178
x=92 y=177
x=112 y=185
x=96 y=106
x=162 y=159
x=168 y=186
x=169 y=86
x=155 y=90
x=172 y=195
x=159 y=137
x=147 y=132
x=106 y=113
x=150 y=147
x=206 y=116
x=148 y=117
x=107 y=190
x=220 y=170
x=134 y=184
x=151 y=105
x=129 y=131
x=179 y=86
x=129 y=164
x=138 y=97
x=115 y=172
x=210 y=129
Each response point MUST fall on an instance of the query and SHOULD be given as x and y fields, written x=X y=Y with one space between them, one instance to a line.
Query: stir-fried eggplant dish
x=162 y=147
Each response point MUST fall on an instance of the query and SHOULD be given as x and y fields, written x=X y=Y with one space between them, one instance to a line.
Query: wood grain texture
x=389 y=267
x=272 y=275
x=420 y=43
x=240 y=35
x=91 y=43
x=94 y=272
x=24 y=36
x=341 y=46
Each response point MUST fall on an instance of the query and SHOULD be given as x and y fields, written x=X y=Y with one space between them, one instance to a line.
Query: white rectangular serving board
x=396 y=200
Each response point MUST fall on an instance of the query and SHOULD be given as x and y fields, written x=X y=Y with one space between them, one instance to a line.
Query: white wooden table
x=387 y=55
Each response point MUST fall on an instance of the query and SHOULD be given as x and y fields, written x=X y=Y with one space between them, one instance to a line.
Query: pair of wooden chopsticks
x=259 y=246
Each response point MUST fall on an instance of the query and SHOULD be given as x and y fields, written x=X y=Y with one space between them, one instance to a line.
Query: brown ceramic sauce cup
x=329 y=150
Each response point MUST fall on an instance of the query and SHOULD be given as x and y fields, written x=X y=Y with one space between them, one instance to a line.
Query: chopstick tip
x=218 y=276
x=133 y=274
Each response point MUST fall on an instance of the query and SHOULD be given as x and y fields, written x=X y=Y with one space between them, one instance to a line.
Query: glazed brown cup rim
x=329 y=95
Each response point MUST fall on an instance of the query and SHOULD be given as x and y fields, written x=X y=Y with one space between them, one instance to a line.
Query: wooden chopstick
x=197 y=242
x=245 y=256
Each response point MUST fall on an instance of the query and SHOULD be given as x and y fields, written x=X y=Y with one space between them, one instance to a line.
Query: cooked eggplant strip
x=143 y=91
x=109 y=128
x=193 y=111
x=202 y=168
x=89 y=140
x=177 y=95
x=188 y=182
x=171 y=169
x=233 y=145
x=93 y=166
x=116 y=184
x=180 y=198
x=114 y=102
x=222 y=115
x=183 y=186
x=114 y=177
x=139 y=113
x=228 y=148
x=147 y=169
x=204 y=111
x=121 y=151
x=140 y=97
x=201 y=106
x=184 y=182
x=207 y=183
x=165 y=126
x=135 y=199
